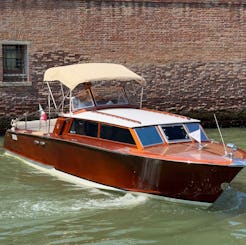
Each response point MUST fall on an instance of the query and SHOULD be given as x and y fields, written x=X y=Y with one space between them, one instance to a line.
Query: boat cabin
x=140 y=136
x=105 y=114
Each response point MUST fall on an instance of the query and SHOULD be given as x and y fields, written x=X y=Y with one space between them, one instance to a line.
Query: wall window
x=14 y=62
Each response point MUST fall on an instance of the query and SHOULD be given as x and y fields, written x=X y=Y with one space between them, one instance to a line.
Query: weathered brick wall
x=191 y=52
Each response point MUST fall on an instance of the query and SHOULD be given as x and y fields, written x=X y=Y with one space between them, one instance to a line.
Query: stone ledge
x=15 y=84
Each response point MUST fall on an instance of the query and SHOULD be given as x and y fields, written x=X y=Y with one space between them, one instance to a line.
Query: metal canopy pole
x=141 y=98
x=63 y=97
x=49 y=114
x=70 y=101
x=50 y=92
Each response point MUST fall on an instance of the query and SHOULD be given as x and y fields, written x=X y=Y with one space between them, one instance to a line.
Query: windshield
x=196 y=127
x=82 y=100
x=109 y=95
x=175 y=133
x=184 y=132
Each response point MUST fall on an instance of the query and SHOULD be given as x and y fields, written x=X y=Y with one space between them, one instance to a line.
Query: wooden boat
x=101 y=138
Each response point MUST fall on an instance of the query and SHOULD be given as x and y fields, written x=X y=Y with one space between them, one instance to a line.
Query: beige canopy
x=73 y=75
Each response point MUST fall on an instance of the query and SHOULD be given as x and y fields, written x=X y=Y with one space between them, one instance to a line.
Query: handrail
x=22 y=121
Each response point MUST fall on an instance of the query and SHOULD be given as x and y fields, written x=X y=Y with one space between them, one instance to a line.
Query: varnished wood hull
x=180 y=180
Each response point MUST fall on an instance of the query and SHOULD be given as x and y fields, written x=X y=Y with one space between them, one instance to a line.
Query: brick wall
x=191 y=52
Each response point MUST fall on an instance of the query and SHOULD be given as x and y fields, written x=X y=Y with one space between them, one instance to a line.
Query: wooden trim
x=136 y=139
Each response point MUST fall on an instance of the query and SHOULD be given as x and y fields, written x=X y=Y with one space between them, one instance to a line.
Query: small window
x=192 y=127
x=175 y=133
x=149 y=136
x=14 y=62
x=116 y=134
x=86 y=128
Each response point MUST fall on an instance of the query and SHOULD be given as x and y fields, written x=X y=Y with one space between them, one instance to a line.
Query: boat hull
x=179 y=180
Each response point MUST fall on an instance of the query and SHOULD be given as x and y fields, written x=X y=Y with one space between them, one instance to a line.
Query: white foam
x=234 y=223
x=240 y=233
x=126 y=201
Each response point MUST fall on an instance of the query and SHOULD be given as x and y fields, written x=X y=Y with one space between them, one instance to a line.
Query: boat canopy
x=73 y=75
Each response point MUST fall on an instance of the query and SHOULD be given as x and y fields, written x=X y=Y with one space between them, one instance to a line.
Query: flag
x=196 y=135
x=42 y=113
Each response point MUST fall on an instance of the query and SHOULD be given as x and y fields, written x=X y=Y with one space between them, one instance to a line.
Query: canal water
x=36 y=208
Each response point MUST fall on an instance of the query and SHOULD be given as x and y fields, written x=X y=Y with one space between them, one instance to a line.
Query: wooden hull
x=179 y=180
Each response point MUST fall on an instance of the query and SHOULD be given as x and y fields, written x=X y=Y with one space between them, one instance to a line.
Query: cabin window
x=116 y=134
x=83 y=127
x=14 y=62
x=175 y=133
x=192 y=127
x=148 y=136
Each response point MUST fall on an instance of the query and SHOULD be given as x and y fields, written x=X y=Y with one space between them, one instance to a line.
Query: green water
x=36 y=208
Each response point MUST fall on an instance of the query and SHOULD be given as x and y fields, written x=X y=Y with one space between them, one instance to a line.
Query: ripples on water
x=36 y=208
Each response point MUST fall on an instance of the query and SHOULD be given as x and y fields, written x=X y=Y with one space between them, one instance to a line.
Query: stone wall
x=191 y=52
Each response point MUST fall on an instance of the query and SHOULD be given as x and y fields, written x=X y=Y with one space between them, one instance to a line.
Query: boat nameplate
x=42 y=143
x=36 y=142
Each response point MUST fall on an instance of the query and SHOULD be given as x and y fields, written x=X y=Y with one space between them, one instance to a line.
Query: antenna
x=217 y=124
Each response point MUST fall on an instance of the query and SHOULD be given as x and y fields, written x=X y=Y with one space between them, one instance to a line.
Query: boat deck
x=37 y=126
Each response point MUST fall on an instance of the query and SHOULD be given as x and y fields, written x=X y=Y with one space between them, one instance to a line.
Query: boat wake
x=128 y=200
x=27 y=208
x=62 y=193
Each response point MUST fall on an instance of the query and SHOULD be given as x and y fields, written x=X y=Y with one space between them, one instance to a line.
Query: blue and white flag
x=196 y=135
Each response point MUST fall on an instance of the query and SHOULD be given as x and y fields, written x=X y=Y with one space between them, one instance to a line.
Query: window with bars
x=14 y=62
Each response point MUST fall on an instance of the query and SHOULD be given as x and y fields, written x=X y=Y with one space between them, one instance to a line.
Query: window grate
x=14 y=62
